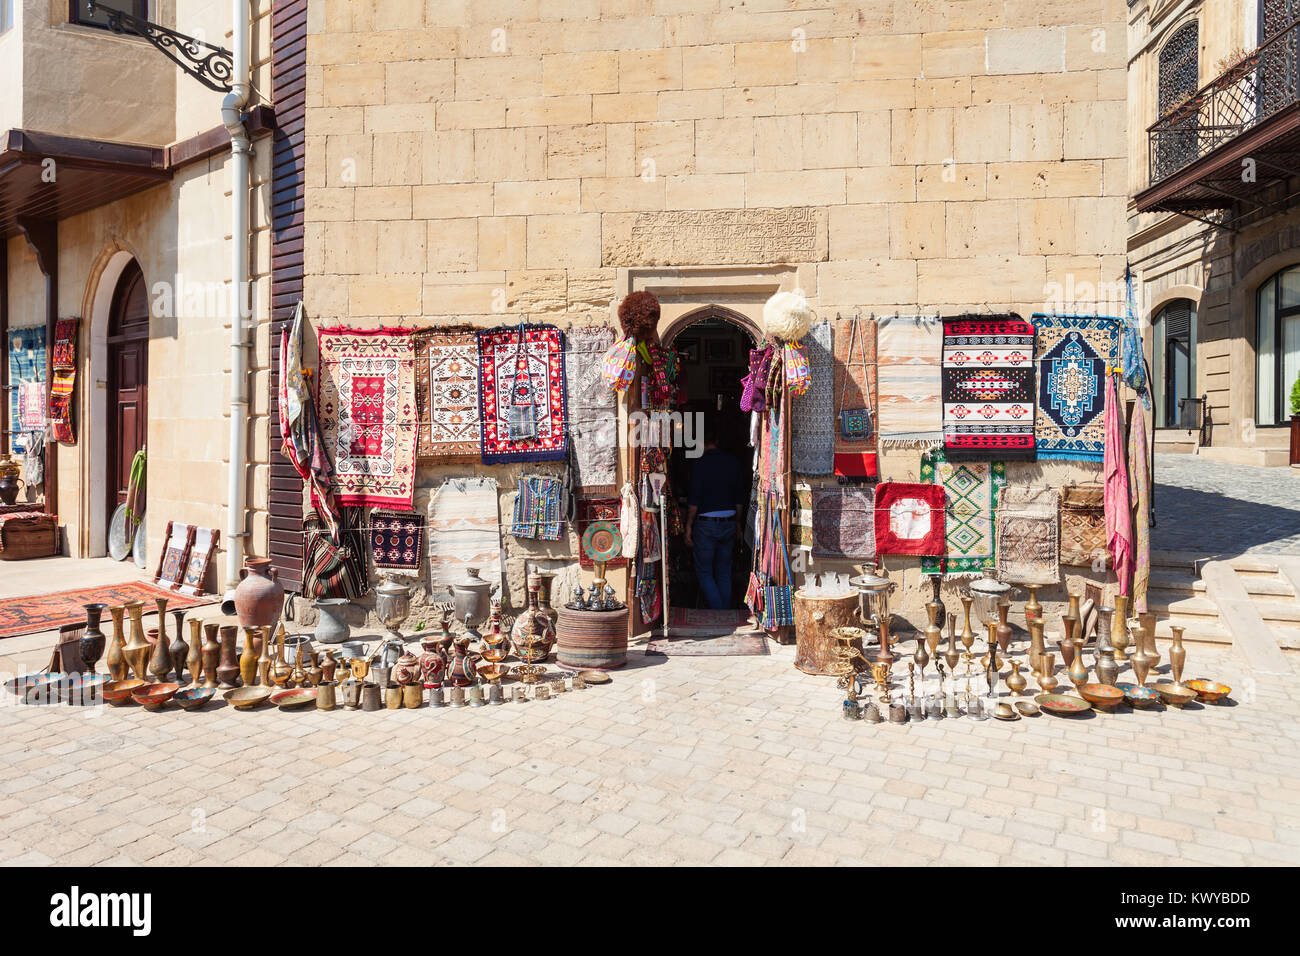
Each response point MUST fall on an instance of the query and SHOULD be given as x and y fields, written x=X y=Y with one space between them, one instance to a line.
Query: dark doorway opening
x=128 y=382
x=714 y=352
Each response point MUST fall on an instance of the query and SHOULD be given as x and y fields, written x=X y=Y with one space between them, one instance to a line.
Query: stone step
x=1248 y=565
x=1267 y=587
x=1201 y=632
x=1276 y=612
x=1167 y=579
x=1196 y=608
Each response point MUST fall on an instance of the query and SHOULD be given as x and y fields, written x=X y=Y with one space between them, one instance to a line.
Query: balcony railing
x=1240 y=99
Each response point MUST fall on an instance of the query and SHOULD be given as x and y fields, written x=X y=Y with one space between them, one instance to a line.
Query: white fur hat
x=786 y=316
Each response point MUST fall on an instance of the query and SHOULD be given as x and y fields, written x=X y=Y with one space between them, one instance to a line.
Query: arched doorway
x=127 y=382
x=713 y=344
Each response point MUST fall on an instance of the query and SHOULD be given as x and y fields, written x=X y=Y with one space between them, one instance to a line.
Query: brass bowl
x=246 y=698
x=595 y=677
x=118 y=692
x=495 y=655
x=1028 y=708
x=291 y=699
x=1062 y=705
x=1102 y=696
x=1175 y=694
x=1208 y=690
x=154 y=696
x=194 y=698
x=1004 y=711
x=493 y=672
x=1137 y=695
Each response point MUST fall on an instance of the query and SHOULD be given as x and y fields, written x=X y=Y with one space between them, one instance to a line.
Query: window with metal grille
x=1175 y=365
x=1275 y=16
x=1179 y=67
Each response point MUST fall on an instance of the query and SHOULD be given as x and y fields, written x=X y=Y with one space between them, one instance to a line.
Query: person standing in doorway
x=716 y=509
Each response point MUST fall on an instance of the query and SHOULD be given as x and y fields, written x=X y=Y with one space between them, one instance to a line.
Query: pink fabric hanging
x=1119 y=525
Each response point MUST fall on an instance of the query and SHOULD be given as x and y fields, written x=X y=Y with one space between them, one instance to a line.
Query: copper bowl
x=246 y=698
x=1063 y=705
x=297 y=697
x=154 y=696
x=118 y=692
x=1175 y=694
x=22 y=686
x=1208 y=690
x=1028 y=708
x=493 y=672
x=1101 y=696
x=1137 y=695
x=194 y=698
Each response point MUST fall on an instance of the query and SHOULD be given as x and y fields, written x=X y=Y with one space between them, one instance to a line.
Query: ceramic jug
x=462 y=670
x=259 y=597
x=432 y=662
x=407 y=669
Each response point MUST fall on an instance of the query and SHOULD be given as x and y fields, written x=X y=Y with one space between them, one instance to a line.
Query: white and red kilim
x=988 y=387
x=365 y=398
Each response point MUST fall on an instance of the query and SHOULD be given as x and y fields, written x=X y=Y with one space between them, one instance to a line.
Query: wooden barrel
x=814 y=619
x=596 y=639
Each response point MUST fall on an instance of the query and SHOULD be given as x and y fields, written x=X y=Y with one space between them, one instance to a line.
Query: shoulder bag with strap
x=855 y=423
x=778 y=607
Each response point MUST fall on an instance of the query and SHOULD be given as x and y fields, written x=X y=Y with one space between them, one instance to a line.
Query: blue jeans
x=714 y=541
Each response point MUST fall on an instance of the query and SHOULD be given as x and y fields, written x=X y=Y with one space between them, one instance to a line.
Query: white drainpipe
x=232 y=109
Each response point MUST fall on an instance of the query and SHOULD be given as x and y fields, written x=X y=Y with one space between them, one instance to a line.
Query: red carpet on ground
x=45 y=612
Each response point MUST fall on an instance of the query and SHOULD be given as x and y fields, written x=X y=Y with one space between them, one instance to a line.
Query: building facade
x=1214 y=228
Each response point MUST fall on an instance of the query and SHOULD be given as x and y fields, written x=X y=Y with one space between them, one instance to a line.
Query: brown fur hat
x=638 y=314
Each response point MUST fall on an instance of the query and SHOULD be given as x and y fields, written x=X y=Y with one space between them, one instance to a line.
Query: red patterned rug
x=45 y=612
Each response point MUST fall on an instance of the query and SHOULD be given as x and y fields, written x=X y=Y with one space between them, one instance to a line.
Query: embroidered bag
x=521 y=416
x=618 y=364
x=778 y=606
x=753 y=397
x=798 y=373
x=855 y=423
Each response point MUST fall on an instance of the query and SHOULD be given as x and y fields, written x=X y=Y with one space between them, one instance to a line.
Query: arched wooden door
x=128 y=381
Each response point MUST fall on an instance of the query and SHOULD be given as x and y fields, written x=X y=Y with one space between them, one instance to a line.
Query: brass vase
x=1149 y=639
x=1072 y=614
x=1177 y=654
x=211 y=654
x=933 y=632
x=161 y=604
x=1105 y=614
x=228 y=667
x=952 y=655
x=1004 y=628
x=160 y=658
x=1107 y=669
x=1078 y=670
x=281 y=669
x=1047 y=673
x=1066 y=643
x=1016 y=682
x=264 y=659
x=194 y=659
x=115 y=660
x=1033 y=609
x=248 y=658
x=1036 y=648
x=180 y=651
x=967 y=635
x=921 y=657
x=1119 y=628
x=1141 y=667
x=137 y=649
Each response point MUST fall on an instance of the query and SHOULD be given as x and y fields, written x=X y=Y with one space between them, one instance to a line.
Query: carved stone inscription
x=716 y=237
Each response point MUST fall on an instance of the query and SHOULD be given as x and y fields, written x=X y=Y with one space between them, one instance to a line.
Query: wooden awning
x=48 y=177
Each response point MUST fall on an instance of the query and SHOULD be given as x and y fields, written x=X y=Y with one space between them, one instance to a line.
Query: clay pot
x=407 y=669
x=259 y=597
x=432 y=663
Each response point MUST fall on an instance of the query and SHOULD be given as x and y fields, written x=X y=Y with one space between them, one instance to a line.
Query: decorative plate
x=602 y=541
x=595 y=677
x=1062 y=704
x=298 y=697
x=137 y=548
x=119 y=545
x=1138 y=696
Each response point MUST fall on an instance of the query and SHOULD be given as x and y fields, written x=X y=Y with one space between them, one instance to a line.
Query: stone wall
x=487 y=162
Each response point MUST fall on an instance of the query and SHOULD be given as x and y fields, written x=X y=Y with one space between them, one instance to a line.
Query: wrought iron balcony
x=1251 y=111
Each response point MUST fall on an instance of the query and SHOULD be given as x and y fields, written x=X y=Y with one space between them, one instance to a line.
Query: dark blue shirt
x=715 y=482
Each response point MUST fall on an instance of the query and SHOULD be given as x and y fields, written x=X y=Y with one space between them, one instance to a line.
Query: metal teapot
x=473 y=596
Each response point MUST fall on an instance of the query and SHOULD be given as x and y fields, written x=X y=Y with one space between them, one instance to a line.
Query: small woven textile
x=970 y=505
x=26 y=365
x=65 y=344
x=1029 y=547
x=396 y=540
x=521 y=368
x=64 y=361
x=31 y=407
x=598 y=509
x=812 y=414
x=801 y=515
x=1083 y=527
x=196 y=565
x=464 y=532
x=539 y=508
x=988 y=386
x=176 y=549
x=1073 y=353
x=910 y=382
x=366 y=405
x=593 y=410
x=855 y=382
x=446 y=393
x=909 y=518
x=844 y=523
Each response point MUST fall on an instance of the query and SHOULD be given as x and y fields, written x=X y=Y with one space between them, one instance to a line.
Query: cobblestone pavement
x=736 y=760
x=1225 y=509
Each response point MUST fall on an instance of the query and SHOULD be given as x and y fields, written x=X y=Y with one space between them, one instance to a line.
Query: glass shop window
x=1174 y=373
x=1277 y=346
x=79 y=11
x=6 y=15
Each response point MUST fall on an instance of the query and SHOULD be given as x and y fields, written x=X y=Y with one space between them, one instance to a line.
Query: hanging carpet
x=592 y=410
x=64 y=362
x=970 y=505
x=446 y=394
x=1083 y=527
x=988 y=387
x=812 y=414
x=464 y=529
x=521 y=394
x=27 y=403
x=909 y=518
x=909 y=353
x=366 y=404
x=396 y=540
x=1028 y=538
x=844 y=523
x=1073 y=353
